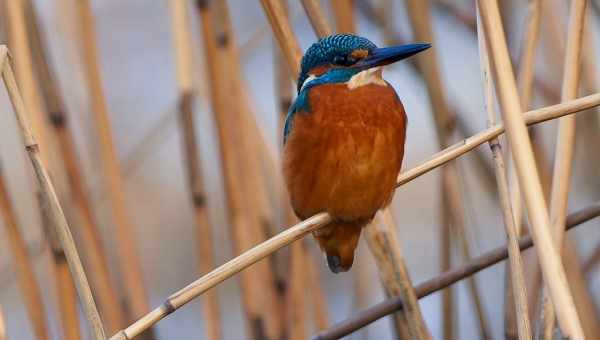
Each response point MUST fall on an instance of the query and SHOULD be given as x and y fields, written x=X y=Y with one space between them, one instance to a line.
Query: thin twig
x=48 y=195
x=25 y=273
x=182 y=41
x=89 y=235
x=284 y=34
x=129 y=264
x=443 y=280
x=529 y=180
x=516 y=265
x=565 y=145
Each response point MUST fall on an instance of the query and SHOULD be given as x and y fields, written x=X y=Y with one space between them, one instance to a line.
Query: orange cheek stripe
x=319 y=70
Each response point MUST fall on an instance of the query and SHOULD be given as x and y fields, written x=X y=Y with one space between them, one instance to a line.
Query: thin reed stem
x=50 y=200
x=565 y=147
x=3 y=335
x=516 y=265
x=87 y=232
x=384 y=245
x=343 y=12
x=443 y=280
x=28 y=283
x=529 y=180
x=182 y=42
x=23 y=67
x=317 y=17
x=129 y=261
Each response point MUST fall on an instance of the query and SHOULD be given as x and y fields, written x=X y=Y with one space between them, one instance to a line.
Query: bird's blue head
x=349 y=54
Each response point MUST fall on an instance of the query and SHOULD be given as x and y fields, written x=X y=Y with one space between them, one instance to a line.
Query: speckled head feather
x=326 y=49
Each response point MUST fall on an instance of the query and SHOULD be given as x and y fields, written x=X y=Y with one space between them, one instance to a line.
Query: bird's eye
x=344 y=60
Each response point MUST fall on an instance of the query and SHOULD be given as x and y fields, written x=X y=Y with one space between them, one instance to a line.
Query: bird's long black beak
x=387 y=55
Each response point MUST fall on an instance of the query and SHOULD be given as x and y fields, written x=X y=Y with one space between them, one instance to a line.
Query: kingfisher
x=344 y=139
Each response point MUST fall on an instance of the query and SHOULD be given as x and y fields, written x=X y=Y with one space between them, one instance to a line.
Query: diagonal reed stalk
x=89 y=235
x=297 y=231
x=15 y=13
x=28 y=283
x=486 y=260
x=182 y=42
x=528 y=176
x=515 y=269
x=50 y=200
x=564 y=153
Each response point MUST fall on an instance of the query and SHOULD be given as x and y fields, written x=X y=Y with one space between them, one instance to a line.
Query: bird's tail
x=339 y=240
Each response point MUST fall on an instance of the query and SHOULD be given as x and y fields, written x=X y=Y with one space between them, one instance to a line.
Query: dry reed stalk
x=249 y=146
x=529 y=180
x=515 y=269
x=18 y=39
x=283 y=33
x=182 y=42
x=129 y=264
x=296 y=305
x=343 y=12
x=3 y=335
x=222 y=100
x=25 y=273
x=297 y=231
x=564 y=153
x=317 y=18
x=48 y=197
x=419 y=15
x=384 y=245
x=443 y=280
x=525 y=83
x=89 y=235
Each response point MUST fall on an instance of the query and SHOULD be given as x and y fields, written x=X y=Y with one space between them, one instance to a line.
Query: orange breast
x=343 y=157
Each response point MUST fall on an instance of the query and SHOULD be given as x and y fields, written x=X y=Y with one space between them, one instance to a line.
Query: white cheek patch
x=308 y=80
x=366 y=77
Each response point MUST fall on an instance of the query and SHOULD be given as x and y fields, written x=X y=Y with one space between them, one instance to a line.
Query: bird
x=344 y=138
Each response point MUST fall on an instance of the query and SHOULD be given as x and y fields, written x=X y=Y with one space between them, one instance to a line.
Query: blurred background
x=137 y=63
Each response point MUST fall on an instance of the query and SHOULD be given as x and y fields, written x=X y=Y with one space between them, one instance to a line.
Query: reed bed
x=282 y=294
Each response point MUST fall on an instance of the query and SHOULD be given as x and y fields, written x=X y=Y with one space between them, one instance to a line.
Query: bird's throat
x=367 y=77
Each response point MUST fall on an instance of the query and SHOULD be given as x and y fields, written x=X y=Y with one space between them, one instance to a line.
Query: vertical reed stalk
x=384 y=245
x=182 y=42
x=529 y=180
x=317 y=18
x=343 y=11
x=516 y=266
x=50 y=201
x=222 y=101
x=89 y=235
x=259 y=209
x=565 y=146
x=130 y=266
x=15 y=12
x=419 y=14
x=27 y=281
x=3 y=335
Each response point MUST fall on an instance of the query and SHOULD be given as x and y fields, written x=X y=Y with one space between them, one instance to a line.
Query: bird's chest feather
x=343 y=155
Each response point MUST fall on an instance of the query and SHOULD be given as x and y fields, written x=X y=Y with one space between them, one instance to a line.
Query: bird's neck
x=367 y=77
